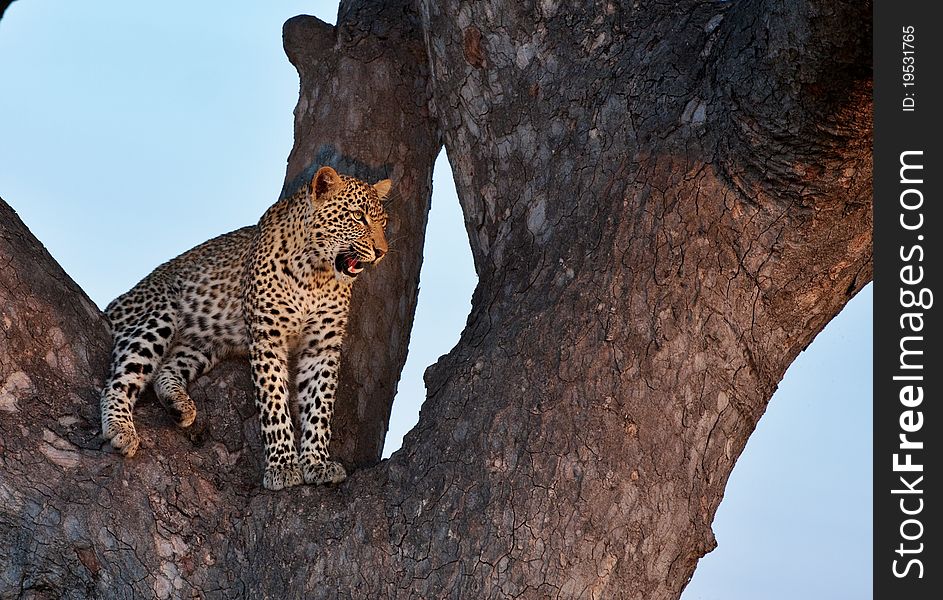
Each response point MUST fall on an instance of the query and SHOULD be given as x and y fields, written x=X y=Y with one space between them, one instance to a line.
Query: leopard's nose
x=378 y=253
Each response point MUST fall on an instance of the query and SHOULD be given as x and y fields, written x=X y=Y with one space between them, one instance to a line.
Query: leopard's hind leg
x=143 y=332
x=184 y=363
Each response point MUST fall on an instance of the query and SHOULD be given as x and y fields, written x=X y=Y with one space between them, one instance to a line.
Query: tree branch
x=362 y=109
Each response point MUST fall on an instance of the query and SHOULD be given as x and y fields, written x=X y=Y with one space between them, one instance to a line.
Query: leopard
x=276 y=292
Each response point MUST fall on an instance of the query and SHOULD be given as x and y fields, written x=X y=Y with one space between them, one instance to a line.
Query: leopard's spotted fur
x=276 y=289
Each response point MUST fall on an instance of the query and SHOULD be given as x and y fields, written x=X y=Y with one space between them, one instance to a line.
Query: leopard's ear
x=383 y=188
x=325 y=181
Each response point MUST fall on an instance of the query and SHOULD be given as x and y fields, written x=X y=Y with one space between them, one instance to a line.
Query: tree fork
x=188 y=515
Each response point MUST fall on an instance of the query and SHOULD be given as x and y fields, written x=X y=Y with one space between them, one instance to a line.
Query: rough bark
x=665 y=202
x=675 y=209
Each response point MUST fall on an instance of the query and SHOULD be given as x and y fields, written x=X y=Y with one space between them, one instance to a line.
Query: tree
x=665 y=203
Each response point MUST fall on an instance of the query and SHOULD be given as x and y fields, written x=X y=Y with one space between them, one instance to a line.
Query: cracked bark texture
x=666 y=202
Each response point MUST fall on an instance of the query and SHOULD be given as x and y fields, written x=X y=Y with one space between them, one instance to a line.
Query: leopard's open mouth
x=348 y=264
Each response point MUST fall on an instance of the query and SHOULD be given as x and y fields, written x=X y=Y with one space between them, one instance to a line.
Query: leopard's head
x=349 y=220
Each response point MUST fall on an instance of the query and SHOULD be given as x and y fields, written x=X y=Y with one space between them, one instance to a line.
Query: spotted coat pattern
x=276 y=291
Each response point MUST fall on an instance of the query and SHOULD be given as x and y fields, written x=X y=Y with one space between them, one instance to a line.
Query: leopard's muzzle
x=350 y=263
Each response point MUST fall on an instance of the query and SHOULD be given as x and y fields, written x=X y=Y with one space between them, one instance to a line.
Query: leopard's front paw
x=324 y=472
x=281 y=476
x=124 y=439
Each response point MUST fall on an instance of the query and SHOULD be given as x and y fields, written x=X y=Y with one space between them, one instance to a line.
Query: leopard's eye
x=358 y=215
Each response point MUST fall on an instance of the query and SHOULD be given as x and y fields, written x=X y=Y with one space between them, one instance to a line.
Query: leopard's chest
x=296 y=300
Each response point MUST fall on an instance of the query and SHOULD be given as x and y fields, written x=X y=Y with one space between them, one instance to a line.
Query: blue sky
x=129 y=134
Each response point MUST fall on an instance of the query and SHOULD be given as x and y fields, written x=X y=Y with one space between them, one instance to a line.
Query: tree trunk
x=665 y=204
